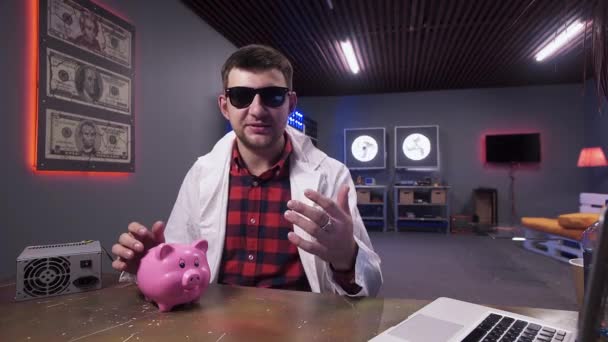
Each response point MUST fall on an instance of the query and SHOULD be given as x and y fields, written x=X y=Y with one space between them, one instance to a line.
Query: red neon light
x=31 y=84
x=31 y=54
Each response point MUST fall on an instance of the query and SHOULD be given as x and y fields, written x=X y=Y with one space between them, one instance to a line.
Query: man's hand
x=331 y=225
x=133 y=244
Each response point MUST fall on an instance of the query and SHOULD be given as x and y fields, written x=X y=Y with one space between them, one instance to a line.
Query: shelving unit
x=422 y=207
x=372 y=202
x=310 y=129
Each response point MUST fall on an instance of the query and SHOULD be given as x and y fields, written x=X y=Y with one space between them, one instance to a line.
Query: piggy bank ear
x=163 y=251
x=200 y=244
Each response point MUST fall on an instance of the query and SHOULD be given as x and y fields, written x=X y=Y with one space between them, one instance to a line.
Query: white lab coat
x=202 y=202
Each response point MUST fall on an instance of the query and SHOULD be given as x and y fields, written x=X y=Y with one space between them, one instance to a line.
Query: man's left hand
x=331 y=225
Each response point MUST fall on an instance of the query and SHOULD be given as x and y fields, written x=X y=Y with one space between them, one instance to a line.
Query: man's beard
x=258 y=144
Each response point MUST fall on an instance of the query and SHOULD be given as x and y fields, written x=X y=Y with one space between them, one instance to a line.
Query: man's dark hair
x=258 y=58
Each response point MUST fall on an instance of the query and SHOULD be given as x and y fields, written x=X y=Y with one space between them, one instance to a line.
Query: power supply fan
x=58 y=269
x=46 y=276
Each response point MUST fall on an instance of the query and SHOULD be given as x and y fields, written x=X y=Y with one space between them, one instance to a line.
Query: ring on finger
x=327 y=224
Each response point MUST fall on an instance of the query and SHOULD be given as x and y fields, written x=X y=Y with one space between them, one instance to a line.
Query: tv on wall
x=513 y=148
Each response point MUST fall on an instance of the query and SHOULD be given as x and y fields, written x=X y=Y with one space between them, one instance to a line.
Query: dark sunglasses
x=241 y=97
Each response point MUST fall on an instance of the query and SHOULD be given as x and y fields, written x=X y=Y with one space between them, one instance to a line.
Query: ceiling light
x=564 y=37
x=349 y=53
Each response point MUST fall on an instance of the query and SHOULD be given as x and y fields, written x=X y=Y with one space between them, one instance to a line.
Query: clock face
x=364 y=148
x=416 y=146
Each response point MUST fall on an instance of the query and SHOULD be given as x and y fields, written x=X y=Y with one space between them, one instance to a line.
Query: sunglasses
x=241 y=97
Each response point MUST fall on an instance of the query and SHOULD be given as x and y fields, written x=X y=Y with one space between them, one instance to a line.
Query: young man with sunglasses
x=276 y=211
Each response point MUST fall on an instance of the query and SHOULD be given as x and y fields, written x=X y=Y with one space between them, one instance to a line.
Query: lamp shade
x=592 y=156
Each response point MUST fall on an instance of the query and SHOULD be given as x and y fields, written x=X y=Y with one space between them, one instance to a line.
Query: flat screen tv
x=513 y=148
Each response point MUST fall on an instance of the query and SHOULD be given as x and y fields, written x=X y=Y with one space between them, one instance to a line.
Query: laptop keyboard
x=497 y=328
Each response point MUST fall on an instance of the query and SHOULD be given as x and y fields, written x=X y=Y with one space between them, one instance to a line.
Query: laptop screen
x=593 y=321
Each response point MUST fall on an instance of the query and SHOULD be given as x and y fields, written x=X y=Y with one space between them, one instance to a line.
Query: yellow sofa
x=551 y=226
x=570 y=226
x=560 y=237
x=548 y=237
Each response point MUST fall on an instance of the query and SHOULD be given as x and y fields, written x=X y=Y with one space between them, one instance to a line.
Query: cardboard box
x=406 y=196
x=438 y=196
x=363 y=196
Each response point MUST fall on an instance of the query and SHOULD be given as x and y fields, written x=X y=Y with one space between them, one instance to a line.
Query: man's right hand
x=133 y=244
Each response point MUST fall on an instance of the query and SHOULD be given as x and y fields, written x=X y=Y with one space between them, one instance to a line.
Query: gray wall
x=597 y=135
x=178 y=61
x=464 y=116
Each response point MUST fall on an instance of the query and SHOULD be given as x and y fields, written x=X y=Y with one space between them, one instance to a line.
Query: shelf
x=372 y=205
x=429 y=205
x=420 y=187
x=423 y=219
x=374 y=224
x=423 y=204
x=422 y=226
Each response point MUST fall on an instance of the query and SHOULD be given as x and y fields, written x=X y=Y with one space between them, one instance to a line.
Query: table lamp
x=592 y=157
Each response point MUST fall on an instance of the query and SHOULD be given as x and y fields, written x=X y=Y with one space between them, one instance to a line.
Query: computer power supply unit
x=52 y=270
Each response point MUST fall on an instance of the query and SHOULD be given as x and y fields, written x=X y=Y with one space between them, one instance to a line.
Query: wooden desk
x=224 y=313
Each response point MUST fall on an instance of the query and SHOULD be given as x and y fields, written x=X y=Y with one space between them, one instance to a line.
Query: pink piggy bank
x=172 y=274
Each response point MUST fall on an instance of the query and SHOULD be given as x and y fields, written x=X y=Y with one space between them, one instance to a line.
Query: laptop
x=451 y=320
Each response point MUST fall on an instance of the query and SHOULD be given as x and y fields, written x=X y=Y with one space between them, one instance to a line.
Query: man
x=87 y=135
x=89 y=28
x=276 y=211
x=88 y=83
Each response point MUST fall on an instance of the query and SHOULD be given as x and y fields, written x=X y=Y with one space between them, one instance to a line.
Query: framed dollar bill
x=79 y=138
x=83 y=25
x=86 y=116
x=71 y=79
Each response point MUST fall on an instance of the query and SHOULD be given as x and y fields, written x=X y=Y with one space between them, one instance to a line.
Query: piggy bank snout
x=192 y=278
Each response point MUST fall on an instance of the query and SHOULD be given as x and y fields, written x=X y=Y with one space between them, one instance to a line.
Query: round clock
x=416 y=146
x=364 y=148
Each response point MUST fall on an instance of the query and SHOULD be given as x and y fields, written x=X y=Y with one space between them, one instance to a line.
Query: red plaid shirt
x=256 y=249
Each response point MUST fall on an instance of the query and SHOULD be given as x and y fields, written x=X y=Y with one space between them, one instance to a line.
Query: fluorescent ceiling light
x=519 y=238
x=349 y=53
x=564 y=37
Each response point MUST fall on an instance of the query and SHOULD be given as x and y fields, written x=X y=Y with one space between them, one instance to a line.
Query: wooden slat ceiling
x=408 y=45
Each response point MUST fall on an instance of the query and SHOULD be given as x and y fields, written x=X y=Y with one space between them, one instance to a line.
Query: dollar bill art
x=75 y=137
x=71 y=79
x=76 y=25
x=86 y=89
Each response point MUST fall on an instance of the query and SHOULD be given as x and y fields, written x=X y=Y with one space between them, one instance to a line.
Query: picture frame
x=417 y=148
x=365 y=148
x=86 y=69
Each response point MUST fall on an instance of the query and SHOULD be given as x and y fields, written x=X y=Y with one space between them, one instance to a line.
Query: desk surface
x=224 y=313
